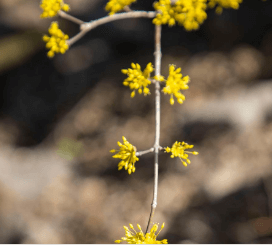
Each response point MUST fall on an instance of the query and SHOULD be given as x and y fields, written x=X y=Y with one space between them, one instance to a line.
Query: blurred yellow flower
x=57 y=42
x=127 y=154
x=114 y=6
x=138 y=80
x=187 y=13
x=179 y=150
x=174 y=83
x=52 y=7
x=234 y=4
x=134 y=237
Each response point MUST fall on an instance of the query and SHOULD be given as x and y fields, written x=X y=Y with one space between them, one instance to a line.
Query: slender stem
x=70 y=17
x=134 y=14
x=140 y=153
x=157 y=146
x=144 y=152
x=127 y=9
x=86 y=27
x=76 y=37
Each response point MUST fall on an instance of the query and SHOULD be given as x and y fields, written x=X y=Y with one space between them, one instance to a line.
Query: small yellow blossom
x=234 y=4
x=174 y=83
x=138 y=80
x=179 y=150
x=159 y=78
x=127 y=154
x=187 y=13
x=134 y=237
x=114 y=6
x=52 y=7
x=57 y=42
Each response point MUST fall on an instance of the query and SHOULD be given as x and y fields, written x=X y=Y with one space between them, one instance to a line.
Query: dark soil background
x=60 y=117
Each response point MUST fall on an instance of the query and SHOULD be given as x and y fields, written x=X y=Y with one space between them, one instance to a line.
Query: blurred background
x=61 y=116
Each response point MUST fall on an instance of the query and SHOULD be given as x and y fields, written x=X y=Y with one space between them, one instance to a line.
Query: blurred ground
x=60 y=118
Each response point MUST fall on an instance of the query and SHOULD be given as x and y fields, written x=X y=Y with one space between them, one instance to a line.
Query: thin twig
x=140 y=153
x=157 y=146
x=70 y=17
x=152 y=80
x=86 y=27
x=134 y=14
x=144 y=152
x=127 y=9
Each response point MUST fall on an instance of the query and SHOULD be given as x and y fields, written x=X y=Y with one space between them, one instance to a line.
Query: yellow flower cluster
x=127 y=154
x=57 y=42
x=234 y=4
x=114 y=6
x=134 y=237
x=174 y=83
x=188 y=13
x=138 y=80
x=52 y=7
x=179 y=150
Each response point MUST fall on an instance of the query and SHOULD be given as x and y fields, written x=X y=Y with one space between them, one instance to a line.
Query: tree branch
x=144 y=152
x=64 y=15
x=88 y=26
x=157 y=146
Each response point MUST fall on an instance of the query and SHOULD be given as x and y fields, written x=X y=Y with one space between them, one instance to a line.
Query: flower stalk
x=140 y=153
x=157 y=55
x=88 y=26
x=69 y=17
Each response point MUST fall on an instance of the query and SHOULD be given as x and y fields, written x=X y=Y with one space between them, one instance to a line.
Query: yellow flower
x=52 y=7
x=57 y=42
x=179 y=150
x=127 y=154
x=134 y=237
x=174 y=83
x=187 y=13
x=159 y=78
x=234 y=4
x=138 y=80
x=114 y=6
